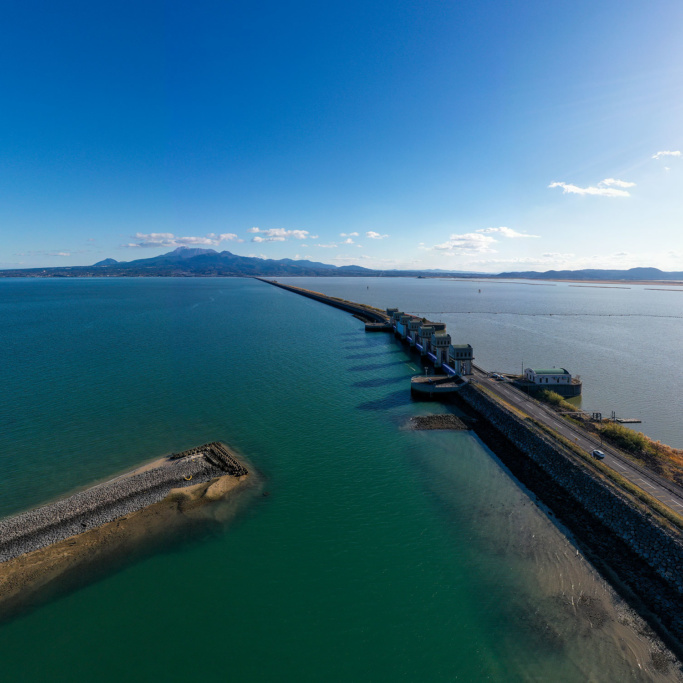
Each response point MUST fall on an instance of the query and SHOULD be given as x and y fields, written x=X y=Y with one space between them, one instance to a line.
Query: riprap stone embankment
x=104 y=503
x=652 y=560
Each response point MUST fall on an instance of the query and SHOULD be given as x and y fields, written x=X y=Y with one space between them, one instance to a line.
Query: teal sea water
x=381 y=553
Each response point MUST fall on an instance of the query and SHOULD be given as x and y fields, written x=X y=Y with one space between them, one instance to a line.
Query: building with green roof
x=552 y=376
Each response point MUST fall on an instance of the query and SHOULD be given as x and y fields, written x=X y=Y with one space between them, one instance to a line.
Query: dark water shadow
x=182 y=531
x=366 y=356
x=379 y=382
x=393 y=400
x=381 y=351
x=375 y=366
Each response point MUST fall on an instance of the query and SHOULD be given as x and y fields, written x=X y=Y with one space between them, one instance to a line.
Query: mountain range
x=632 y=274
x=193 y=262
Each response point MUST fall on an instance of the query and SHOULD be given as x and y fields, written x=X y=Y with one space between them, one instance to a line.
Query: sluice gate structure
x=448 y=364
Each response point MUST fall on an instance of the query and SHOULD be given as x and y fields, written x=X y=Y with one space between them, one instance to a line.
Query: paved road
x=665 y=491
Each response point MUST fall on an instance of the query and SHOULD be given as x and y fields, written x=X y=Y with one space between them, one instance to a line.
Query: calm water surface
x=381 y=553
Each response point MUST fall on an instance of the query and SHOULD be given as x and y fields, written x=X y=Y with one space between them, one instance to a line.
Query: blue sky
x=487 y=135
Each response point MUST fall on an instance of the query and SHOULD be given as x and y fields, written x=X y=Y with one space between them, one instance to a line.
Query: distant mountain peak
x=107 y=262
x=189 y=252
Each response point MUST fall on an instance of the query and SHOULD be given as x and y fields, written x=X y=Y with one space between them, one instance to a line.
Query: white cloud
x=351 y=234
x=467 y=243
x=613 y=182
x=331 y=245
x=348 y=241
x=375 y=235
x=267 y=239
x=666 y=153
x=279 y=235
x=505 y=232
x=168 y=239
x=605 y=188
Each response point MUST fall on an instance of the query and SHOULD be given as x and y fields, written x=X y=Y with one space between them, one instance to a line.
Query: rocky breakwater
x=41 y=545
x=639 y=550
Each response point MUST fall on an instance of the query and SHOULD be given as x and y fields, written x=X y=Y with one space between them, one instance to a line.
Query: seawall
x=364 y=312
x=644 y=551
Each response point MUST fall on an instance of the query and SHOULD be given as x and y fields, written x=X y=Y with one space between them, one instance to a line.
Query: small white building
x=548 y=377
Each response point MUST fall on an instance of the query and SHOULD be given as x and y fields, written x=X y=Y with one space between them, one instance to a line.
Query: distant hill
x=191 y=262
x=632 y=274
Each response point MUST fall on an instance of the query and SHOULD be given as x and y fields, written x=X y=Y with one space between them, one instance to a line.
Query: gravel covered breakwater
x=106 y=502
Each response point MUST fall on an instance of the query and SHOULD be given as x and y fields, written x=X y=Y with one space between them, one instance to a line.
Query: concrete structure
x=395 y=318
x=435 y=386
x=548 y=377
x=440 y=343
x=657 y=575
x=460 y=358
x=413 y=329
x=402 y=325
x=424 y=337
x=379 y=327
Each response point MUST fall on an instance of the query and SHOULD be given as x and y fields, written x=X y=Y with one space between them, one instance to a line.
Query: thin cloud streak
x=605 y=188
x=505 y=232
x=666 y=153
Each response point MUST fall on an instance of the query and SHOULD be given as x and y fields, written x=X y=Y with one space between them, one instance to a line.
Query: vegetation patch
x=660 y=458
x=663 y=459
x=555 y=400
x=652 y=503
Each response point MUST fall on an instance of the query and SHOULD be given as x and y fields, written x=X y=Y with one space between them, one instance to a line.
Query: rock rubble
x=100 y=504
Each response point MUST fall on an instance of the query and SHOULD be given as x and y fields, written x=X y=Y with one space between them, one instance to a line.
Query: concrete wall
x=344 y=306
x=659 y=547
x=564 y=390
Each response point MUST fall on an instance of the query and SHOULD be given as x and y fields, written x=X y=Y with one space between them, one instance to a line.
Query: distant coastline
x=187 y=262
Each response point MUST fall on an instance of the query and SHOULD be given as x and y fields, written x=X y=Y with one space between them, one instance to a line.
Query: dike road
x=665 y=491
